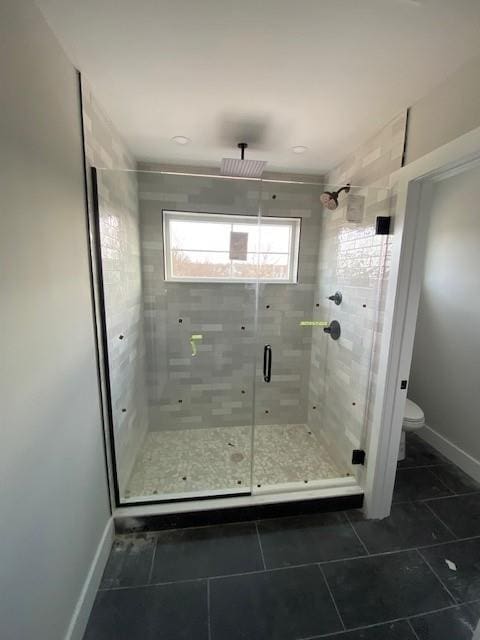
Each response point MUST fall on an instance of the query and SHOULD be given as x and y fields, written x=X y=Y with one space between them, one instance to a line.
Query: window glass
x=230 y=248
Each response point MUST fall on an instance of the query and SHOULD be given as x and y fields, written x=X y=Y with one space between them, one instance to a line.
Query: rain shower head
x=329 y=199
x=241 y=168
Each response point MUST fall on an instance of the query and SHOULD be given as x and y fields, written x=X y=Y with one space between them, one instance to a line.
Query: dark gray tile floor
x=419 y=484
x=290 y=603
x=333 y=575
x=177 y=611
x=457 y=623
x=185 y=554
x=293 y=541
x=130 y=561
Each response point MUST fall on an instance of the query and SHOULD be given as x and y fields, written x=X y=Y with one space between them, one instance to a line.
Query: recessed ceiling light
x=181 y=139
x=299 y=149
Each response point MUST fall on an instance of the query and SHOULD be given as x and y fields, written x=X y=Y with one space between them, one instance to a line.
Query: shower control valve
x=333 y=329
x=336 y=297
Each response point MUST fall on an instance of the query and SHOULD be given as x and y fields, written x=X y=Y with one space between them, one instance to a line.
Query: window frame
x=295 y=224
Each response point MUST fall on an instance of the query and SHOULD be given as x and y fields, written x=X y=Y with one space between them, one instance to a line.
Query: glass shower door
x=311 y=410
x=288 y=452
x=198 y=238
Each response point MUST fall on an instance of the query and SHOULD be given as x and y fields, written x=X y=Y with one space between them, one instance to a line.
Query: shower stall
x=232 y=368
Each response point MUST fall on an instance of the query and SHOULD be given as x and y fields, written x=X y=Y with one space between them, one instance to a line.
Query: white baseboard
x=455 y=454
x=78 y=622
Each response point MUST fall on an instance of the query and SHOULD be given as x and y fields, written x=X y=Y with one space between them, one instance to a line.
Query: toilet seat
x=413 y=416
x=413 y=419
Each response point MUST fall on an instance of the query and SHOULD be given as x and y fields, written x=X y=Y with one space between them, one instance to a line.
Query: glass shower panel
x=118 y=250
x=198 y=254
x=311 y=408
x=354 y=260
x=287 y=452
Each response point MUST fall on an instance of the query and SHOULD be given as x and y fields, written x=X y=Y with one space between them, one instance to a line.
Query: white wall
x=447 y=112
x=53 y=495
x=446 y=358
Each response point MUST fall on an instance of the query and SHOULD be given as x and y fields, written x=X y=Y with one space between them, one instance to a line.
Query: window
x=229 y=248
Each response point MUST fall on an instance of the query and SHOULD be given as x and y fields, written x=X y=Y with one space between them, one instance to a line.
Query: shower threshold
x=194 y=464
x=153 y=515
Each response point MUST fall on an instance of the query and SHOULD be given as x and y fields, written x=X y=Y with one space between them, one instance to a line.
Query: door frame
x=412 y=186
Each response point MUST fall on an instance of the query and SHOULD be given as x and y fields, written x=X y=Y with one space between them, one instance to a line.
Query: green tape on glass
x=193 y=342
x=313 y=323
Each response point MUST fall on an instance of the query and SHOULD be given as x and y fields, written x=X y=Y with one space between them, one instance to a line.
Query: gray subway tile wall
x=355 y=261
x=215 y=388
x=283 y=307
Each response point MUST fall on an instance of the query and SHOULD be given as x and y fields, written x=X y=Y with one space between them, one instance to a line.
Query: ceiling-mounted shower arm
x=240 y=167
x=242 y=146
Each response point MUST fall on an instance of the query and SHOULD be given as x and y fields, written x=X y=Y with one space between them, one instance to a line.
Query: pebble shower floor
x=219 y=459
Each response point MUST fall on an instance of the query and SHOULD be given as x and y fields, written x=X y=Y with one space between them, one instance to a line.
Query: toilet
x=413 y=419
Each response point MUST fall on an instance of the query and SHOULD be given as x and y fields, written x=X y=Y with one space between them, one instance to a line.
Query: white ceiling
x=277 y=73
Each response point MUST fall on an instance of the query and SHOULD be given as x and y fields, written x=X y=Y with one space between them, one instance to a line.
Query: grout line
x=217 y=577
x=331 y=596
x=442 y=482
x=294 y=566
x=375 y=625
x=451 y=493
x=424 y=466
x=357 y=534
x=437 y=576
x=432 y=611
x=423 y=500
x=389 y=553
x=440 y=544
x=341 y=633
x=457 y=605
x=260 y=545
x=440 y=520
x=208 y=611
x=250 y=573
x=150 y=573
x=413 y=630
x=454 y=495
x=165 y=584
x=431 y=469
x=385 y=622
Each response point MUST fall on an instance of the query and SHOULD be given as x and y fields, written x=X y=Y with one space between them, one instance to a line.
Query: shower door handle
x=267 y=363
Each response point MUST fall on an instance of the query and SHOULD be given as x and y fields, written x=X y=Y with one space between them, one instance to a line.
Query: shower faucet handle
x=333 y=330
x=336 y=297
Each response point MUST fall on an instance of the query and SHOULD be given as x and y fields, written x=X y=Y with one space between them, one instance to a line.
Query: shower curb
x=157 y=522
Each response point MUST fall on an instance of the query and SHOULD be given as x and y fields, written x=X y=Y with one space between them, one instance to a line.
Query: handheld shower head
x=329 y=199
